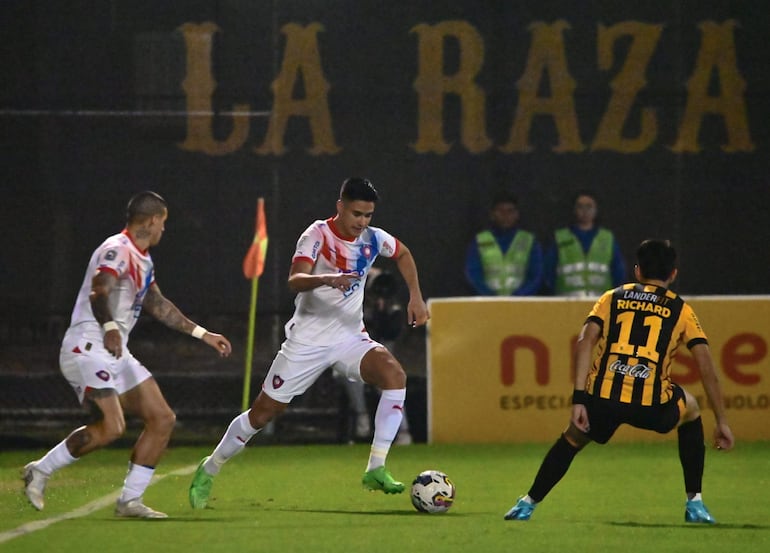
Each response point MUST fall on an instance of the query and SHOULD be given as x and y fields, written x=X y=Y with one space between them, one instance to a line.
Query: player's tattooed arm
x=162 y=309
x=101 y=285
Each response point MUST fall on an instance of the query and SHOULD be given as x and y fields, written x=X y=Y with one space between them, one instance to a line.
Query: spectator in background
x=504 y=260
x=585 y=259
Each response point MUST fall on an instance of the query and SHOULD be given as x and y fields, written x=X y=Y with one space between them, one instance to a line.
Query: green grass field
x=620 y=497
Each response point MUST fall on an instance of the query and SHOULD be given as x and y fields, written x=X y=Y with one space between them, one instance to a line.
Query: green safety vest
x=583 y=274
x=504 y=272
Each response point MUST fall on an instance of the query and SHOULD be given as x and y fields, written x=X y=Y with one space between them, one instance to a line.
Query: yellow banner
x=501 y=370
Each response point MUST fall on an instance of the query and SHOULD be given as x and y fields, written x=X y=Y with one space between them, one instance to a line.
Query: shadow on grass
x=719 y=526
x=392 y=512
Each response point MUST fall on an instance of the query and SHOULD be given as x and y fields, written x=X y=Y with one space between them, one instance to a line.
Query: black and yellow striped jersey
x=641 y=328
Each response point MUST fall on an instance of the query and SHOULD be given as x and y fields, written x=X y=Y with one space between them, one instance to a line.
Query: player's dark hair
x=357 y=188
x=143 y=205
x=656 y=259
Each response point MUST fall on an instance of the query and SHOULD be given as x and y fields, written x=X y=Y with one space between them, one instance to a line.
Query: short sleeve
x=309 y=244
x=388 y=244
x=601 y=309
x=693 y=332
x=114 y=258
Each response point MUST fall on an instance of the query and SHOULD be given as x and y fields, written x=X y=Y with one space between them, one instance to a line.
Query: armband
x=579 y=397
x=198 y=332
x=110 y=325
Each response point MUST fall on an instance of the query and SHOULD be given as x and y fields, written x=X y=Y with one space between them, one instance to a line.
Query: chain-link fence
x=38 y=407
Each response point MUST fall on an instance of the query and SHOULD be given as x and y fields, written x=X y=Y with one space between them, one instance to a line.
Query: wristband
x=579 y=397
x=110 y=325
x=198 y=332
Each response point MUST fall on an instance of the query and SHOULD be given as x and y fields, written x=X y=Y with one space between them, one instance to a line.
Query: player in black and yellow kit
x=636 y=330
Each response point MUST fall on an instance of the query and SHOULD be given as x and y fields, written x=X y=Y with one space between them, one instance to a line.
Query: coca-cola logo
x=637 y=371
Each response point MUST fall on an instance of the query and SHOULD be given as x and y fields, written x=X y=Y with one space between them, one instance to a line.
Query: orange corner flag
x=254 y=262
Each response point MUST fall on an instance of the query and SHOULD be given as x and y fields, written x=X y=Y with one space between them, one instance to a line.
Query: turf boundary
x=85 y=510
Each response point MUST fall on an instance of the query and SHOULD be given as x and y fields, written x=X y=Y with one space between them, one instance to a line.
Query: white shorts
x=87 y=365
x=297 y=366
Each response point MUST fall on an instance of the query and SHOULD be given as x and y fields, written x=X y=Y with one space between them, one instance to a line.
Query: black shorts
x=605 y=416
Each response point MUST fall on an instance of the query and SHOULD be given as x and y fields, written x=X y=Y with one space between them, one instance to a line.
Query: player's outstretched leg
x=200 y=488
x=521 y=511
x=380 y=479
x=34 y=485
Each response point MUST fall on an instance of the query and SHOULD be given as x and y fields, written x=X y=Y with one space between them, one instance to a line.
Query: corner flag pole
x=253 y=267
x=250 y=345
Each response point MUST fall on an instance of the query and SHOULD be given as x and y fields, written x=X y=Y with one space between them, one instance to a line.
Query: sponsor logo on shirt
x=637 y=371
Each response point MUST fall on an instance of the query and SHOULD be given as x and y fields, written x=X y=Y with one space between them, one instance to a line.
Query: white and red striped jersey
x=325 y=315
x=135 y=273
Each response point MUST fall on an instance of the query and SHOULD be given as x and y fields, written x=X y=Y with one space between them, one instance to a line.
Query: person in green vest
x=504 y=260
x=584 y=259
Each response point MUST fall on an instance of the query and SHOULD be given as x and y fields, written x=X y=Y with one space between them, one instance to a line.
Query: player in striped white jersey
x=328 y=271
x=119 y=284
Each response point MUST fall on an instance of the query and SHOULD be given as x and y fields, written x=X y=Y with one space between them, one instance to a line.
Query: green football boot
x=380 y=479
x=200 y=488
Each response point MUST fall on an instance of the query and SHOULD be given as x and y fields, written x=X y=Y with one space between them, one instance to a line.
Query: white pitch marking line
x=87 y=509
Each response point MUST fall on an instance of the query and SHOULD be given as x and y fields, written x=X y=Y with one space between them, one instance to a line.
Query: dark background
x=66 y=177
x=83 y=82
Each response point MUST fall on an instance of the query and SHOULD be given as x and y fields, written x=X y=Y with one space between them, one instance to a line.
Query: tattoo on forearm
x=100 y=308
x=164 y=311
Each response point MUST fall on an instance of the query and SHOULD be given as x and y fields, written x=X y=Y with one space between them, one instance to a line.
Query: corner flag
x=253 y=266
x=254 y=262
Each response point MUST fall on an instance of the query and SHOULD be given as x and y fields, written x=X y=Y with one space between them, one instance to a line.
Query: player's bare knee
x=692 y=409
x=379 y=368
x=162 y=423
x=575 y=437
x=391 y=376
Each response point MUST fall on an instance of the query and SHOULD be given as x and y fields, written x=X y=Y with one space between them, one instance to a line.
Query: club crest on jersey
x=277 y=382
x=103 y=375
x=366 y=251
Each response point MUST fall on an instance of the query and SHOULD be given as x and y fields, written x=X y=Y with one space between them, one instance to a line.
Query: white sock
x=387 y=418
x=235 y=439
x=528 y=499
x=696 y=497
x=56 y=458
x=137 y=480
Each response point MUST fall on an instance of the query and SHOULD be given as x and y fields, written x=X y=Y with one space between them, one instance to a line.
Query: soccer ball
x=432 y=492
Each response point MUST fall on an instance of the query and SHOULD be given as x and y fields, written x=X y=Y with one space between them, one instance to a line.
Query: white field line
x=86 y=509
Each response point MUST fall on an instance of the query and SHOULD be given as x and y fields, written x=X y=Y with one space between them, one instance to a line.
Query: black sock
x=553 y=467
x=692 y=453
